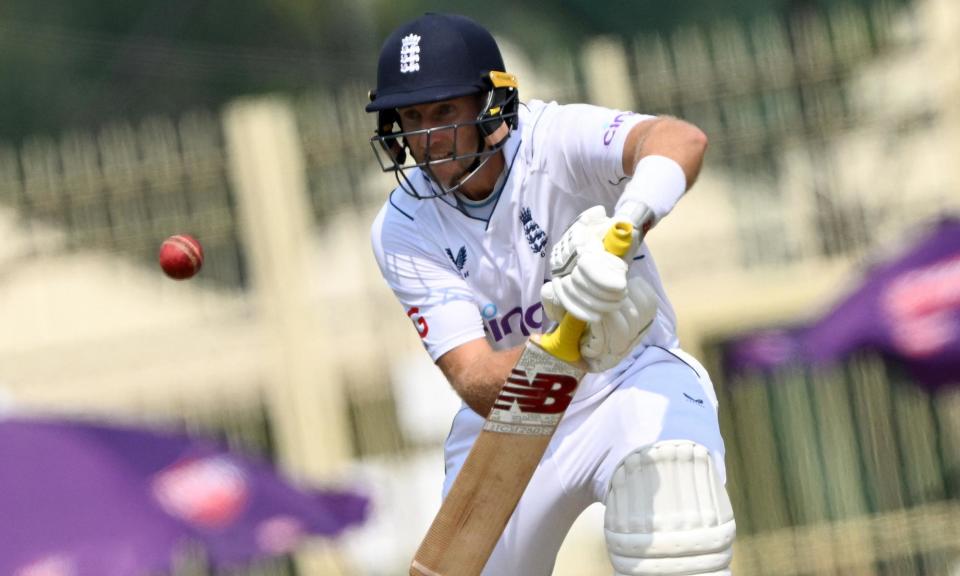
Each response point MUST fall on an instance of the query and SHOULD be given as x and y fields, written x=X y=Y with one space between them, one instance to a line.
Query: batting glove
x=606 y=342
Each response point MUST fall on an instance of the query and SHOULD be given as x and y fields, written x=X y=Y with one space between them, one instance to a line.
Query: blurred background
x=835 y=137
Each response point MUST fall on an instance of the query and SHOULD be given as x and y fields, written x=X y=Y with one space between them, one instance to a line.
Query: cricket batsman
x=492 y=235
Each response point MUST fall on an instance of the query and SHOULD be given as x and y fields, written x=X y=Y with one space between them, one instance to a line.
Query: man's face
x=443 y=143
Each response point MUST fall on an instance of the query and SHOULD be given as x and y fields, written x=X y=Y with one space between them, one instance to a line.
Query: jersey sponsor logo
x=611 y=128
x=536 y=237
x=460 y=260
x=544 y=393
x=419 y=322
x=410 y=53
x=500 y=326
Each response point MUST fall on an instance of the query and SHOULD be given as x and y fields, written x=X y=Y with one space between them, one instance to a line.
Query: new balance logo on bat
x=543 y=394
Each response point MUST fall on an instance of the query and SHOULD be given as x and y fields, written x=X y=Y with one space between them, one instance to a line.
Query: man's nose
x=438 y=138
x=440 y=130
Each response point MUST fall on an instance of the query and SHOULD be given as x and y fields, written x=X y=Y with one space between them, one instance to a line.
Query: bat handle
x=564 y=342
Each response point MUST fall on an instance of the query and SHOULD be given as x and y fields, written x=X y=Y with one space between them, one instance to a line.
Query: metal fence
x=850 y=469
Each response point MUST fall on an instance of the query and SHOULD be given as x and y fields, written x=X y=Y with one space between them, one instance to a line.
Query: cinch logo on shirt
x=611 y=130
x=501 y=326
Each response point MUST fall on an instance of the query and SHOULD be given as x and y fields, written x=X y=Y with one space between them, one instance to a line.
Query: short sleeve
x=584 y=149
x=434 y=296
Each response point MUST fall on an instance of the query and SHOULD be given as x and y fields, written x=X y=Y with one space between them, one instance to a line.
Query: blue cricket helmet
x=433 y=58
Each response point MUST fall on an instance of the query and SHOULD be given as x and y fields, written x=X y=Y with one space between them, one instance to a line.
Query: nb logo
x=544 y=394
x=410 y=53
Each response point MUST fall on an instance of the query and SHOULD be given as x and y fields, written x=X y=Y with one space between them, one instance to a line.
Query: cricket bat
x=509 y=447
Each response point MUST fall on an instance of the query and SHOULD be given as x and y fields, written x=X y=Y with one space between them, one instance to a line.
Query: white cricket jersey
x=460 y=278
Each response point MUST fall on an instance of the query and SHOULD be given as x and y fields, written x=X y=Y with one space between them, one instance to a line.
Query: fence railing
x=846 y=468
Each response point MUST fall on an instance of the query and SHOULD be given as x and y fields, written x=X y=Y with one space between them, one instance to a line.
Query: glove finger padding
x=605 y=343
x=585 y=234
x=551 y=303
x=597 y=284
x=591 y=224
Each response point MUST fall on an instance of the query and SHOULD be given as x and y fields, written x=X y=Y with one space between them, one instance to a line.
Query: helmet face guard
x=497 y=117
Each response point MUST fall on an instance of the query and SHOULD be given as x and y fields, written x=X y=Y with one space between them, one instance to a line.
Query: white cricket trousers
x=663 y=395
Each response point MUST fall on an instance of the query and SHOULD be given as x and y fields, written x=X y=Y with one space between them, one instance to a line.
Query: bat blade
x=502 y=461
x=508 y=449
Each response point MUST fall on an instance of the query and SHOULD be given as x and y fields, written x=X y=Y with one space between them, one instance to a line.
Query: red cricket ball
x=181 y=256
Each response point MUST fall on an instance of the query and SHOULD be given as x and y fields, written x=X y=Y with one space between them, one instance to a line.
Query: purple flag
x=81 y=499
x=907 y=310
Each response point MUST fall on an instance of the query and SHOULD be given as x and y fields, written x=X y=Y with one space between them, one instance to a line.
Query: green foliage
x=67 y=64
x=80 y=63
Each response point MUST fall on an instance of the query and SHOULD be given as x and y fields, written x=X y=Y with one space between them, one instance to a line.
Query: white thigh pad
x=668 y=513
